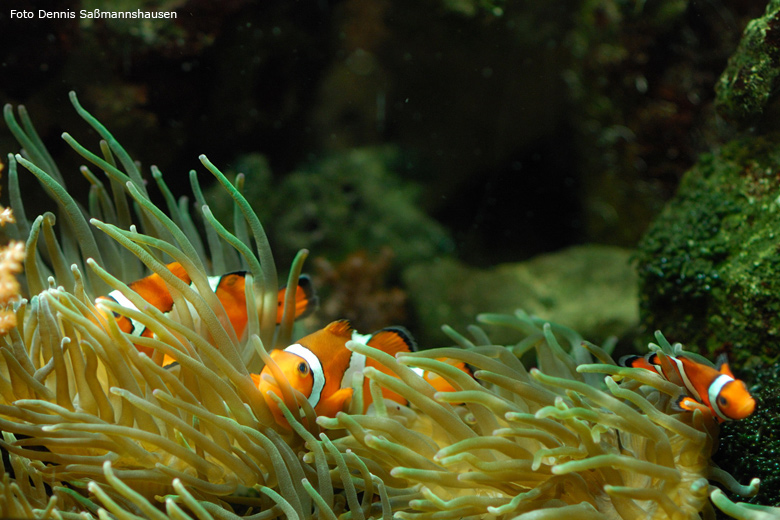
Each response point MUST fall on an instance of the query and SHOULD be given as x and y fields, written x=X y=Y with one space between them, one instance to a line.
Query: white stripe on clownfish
x=315 y=367
x=714 y=391
x=138 y=327
x=686 y=380
x=357 y=363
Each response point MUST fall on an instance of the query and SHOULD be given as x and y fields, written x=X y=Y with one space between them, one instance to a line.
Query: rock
x=750 y=81
x=591 y=289
x=709 y=265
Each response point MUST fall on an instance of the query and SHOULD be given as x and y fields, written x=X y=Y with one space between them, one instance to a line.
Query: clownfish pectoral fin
x=306 y=299
x=393 y=340
x=256 y=380
x=686 y=403
x=334 y=403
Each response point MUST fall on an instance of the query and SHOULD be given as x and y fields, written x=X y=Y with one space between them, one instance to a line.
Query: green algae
x=747 y=85
x=709 y=268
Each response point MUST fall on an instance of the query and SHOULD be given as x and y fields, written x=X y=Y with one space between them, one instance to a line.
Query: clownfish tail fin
x=392 y=340
x=306 y=299
x=647 y=362
x=629 y=360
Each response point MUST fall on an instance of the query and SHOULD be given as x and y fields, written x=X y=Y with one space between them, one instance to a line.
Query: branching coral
x=94 y=427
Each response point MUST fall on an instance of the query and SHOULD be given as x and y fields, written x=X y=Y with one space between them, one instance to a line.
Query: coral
x=344 y=203
x=357 y=289
x=93 y=427
x=11 y=257
x=708 y=266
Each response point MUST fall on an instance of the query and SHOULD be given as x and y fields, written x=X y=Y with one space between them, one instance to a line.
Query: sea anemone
x=94 y=427
x=511 y=442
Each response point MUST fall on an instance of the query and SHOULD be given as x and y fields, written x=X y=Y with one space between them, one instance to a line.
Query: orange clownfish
x=321 y=367
x=229 y=288
x=726 y=397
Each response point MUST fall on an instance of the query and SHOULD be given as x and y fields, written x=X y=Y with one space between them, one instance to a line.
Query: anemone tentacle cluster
x=91 y=426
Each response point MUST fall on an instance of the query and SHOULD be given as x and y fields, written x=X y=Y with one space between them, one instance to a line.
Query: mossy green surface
x=709 y=265
x=751 y=447
x=747 y=85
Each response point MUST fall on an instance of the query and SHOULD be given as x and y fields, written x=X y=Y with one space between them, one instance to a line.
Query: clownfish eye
x=722 y=401
x=303 y=369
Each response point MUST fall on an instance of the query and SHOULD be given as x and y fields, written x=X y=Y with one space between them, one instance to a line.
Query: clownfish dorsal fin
x=177 y=269
x=340 y=328
x=393 y=340
x=722 y=364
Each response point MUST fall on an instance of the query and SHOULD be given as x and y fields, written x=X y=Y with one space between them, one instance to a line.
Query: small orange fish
x=229 y=288
x=321 y=367
x=726 y=397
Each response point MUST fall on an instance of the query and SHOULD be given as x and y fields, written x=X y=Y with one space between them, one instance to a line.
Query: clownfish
x=321 y=367
x=229 y=288
x=726 y=397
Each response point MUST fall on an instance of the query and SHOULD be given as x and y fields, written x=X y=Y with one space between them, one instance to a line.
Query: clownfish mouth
x=747 y=408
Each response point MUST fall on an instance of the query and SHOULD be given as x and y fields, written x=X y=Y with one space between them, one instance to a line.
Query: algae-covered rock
x=709 y=265
x=747 y=85
x=591 y=289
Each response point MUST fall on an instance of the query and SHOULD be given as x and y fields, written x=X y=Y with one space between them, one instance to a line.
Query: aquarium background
x=439 y=158
x=476 y=132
